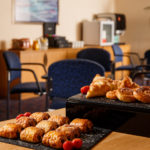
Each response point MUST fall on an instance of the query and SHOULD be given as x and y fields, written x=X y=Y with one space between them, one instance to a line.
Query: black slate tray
x=89 y=140
x=114 y=104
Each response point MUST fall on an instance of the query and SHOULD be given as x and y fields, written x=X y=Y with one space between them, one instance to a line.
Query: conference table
x=114 y=141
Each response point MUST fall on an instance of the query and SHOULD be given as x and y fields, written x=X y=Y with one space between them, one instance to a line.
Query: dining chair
x=66 y=77
x=119 y=55
x=14 y=69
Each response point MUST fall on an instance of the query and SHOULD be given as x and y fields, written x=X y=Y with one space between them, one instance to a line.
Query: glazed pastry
x=125 y=95
x=111 y=94
x=54 y=139
x=32 y=134
x=39 y=116
x=61 y=120
x=99 y=86
x=47 y=125
x=142 y=94
x=85 y=125
x=69 y=131
x=26 y=122
x=10 y=130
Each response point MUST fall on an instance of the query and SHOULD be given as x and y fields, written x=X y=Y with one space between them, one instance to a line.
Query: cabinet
x=46 y=57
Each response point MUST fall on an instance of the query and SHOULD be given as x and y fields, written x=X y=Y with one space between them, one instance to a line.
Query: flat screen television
x=36 y=11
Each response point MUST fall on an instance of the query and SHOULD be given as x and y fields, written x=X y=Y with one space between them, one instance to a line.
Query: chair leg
x=19 y=104
x=8 y=101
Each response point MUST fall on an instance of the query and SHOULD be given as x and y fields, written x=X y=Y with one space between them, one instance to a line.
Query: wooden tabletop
x=114 y=141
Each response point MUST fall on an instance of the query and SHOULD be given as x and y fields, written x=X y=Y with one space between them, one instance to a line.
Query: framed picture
x=36 y=11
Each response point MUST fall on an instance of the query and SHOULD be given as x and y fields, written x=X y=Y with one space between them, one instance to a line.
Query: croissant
x=32 y=134
x=61 y=120
x=39 y=116
x=10 y=130
x=47 y=125
x=85 y=125
x=54 y=139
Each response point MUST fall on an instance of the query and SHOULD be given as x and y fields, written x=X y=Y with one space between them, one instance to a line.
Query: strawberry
x=77 y=143
x=27 y=114
x=84 y=89
x=67 y=145
x=19 y=116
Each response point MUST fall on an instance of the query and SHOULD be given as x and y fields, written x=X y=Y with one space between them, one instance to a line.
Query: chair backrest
x=68 y=76
x=117 y=51
x=12 y=61
x=99 y=55
x=147 y=57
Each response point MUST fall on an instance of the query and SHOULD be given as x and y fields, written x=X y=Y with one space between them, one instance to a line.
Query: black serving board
x=89 y=140
x=114 y=104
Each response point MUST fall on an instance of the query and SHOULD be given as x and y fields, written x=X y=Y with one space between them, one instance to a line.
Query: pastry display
x=54 y=139
x=32 y=134
x=47 y=125
x=142 y=94
x=85 y=125
x=39 y=116
x=10 y=130
x=69 y=131
x=26 y=121
x=61 y=120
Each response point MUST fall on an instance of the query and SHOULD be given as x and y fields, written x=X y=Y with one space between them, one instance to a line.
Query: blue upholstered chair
x=68 y=76
x=99 y=55
x=14 y=72
x=119 y=55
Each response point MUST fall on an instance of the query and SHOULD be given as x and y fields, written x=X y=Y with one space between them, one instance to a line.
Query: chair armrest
x=45 y=76
x=146 y=67
x=40 y=64
x=35 y=77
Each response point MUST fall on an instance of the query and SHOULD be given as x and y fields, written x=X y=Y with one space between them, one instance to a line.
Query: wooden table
x=114 y=141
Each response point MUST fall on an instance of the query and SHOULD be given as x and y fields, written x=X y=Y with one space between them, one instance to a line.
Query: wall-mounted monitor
x=36 y=11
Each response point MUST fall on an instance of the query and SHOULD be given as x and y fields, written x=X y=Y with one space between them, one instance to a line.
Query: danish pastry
x=142 y=94
x=32 y=134
x=47 y=125
x=125 y=95
x=61 y=120
x=39 y=116
x=85 y=125
x=54 y=139
x=10 y=130
x=69 y=131
x=26 y=122
x=111 y=94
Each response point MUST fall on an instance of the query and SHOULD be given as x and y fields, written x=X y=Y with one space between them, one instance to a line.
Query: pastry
x=142 y=94
x=125 y=95
x=10 y=130
x=26 y=122
x=39 y=116
x=61 y=120
x=47 y=125
x=54 y=139
x=85 y=125
x=32 y=134
x=69 y=131
x=111 y=94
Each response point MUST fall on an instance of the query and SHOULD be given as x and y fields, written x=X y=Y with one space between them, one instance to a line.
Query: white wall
x=71 y=13
x=138 y=23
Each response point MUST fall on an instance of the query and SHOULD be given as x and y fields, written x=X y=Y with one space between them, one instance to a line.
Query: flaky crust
x=10 y=130
x=111 y=94
x=26 y=122
x=61 y=120
x=32 y=134
x=142 y=94
x=47 y=125
x=85 y=125
x=125 y=95
x=39 y=116
x=54 y=139
x=69 y=131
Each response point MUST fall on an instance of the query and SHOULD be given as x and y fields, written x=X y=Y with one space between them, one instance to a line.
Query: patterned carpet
x=30 y=105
